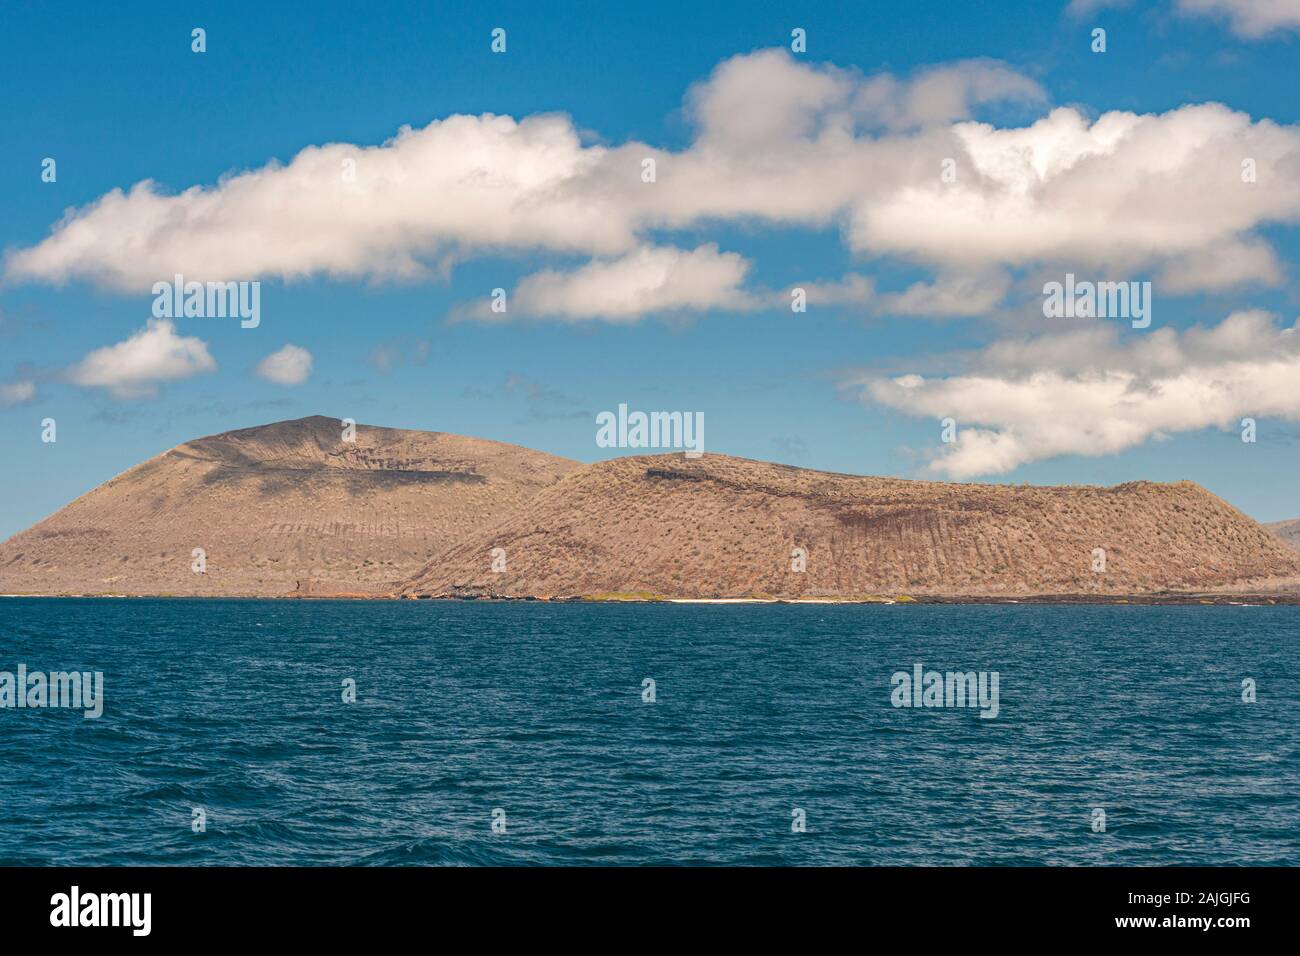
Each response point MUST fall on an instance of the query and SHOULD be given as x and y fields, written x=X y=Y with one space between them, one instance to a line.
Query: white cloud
x=764 y=98
x=16 y=393
x=1230 y=264
x=951 y=294
x=778 y=142
x=1122 y=193
x=1089 y=393
x=1251 y=19
x=852 y=289
x=463 y=183
x=648 y=280
x=132 y=369
x=290 y=365
x=947 y=93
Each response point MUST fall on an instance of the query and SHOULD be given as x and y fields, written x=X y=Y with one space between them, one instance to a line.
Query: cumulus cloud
x=290 y=365
x=648 y=280
x=778 y=142
x=133 y=369
x=762 y=98
x=1089 y=393
x=16 y=393
x=1214 y=270
x=466 y=182
x=1122 y=193
x=1251 y=19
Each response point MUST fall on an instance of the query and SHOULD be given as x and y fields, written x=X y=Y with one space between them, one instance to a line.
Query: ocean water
x=536 y=710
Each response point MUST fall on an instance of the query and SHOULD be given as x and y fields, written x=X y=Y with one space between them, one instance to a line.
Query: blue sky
x=116 y=96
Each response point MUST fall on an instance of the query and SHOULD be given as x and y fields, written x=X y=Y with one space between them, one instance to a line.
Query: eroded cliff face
x=287 y=508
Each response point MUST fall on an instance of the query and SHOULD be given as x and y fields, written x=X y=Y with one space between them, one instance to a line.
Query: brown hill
x=1288 y=531
x=720 y=527
x=278 y=509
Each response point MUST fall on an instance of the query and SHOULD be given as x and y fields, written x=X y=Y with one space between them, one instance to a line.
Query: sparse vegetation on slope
x=288 y=508
x=721 y=527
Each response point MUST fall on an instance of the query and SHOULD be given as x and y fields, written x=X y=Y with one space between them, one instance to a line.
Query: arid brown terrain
x=721 y=527
x=1288 y=531
x=280 y=509
x=292 y=509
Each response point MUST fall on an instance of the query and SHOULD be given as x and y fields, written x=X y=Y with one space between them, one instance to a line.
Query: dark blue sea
x=536 y=711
